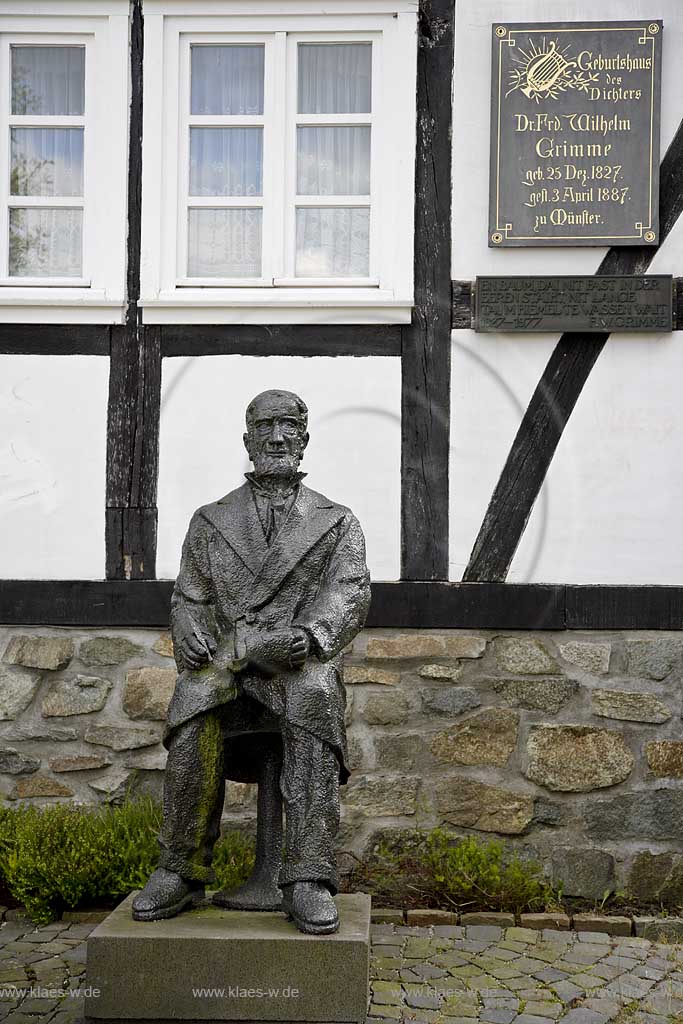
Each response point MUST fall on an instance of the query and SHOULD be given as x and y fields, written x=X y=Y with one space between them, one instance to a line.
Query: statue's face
x=276 y=437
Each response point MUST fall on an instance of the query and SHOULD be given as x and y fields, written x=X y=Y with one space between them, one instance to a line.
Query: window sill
x=276 y=306
x=49 y=305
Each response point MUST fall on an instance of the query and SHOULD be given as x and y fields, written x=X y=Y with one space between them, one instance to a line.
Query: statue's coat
x=313 y=575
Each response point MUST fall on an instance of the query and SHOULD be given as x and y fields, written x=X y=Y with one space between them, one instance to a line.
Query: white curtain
x=45 y=242
x=46 y=162
x=227 y=79
x=335 y=78
x=226 y=161
x=224 y=243
x=48 y=80
x=332 y=241
x=333 y=161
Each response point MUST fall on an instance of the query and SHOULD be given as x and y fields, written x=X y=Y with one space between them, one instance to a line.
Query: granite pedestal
x=212 y=964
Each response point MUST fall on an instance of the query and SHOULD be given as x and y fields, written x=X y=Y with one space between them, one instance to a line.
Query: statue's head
x=276 y=433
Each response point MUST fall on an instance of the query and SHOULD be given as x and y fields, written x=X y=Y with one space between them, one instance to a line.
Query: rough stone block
x=438 y=671
x=147 y=692
x=665 y=758
x=258 y=959
x=609 y=925
x=450 y=700
x=17 y=690
x=470 y=804
x=400 y=752
x=591 y=657
x=426 y=645
x=78 y=696
x=382 y=796
x=108 y=650
x=659 y=928
x=542 y=694
x=358 y=674
x=577 y=758
x=489 y=737
x=649 y=815
x=652 y=659
x=630 y=706
x=112 y=785
x=524 y=656
x=163 y=646
x=14 y=763
x=583 y=872
x=648 y=874
x=78 y=762
x=386 y=709
x=560 y=922
x=120 y=738
x=45 y=652
x=39 y=785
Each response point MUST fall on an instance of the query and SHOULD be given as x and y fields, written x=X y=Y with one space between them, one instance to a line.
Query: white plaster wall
x=53 y=414
x=353 y=456
x=610 y=509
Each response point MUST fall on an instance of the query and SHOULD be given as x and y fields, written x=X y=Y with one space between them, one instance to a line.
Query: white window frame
x=386 y=295
x=98 y=296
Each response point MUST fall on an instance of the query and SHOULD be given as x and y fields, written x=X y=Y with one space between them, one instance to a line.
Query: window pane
x=47 y=162
x=45 y=243
x=333 y=161
x=227 y=80
x=224 y=243
x=48 y=79
x=226 y=161
x=332 y=242
x=335 y=78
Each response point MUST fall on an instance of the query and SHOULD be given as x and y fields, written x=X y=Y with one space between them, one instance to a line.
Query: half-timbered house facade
x=202 y=199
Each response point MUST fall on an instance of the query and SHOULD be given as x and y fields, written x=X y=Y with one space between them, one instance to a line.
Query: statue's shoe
x=311 y=907
x=165 y=895
x=253 y=895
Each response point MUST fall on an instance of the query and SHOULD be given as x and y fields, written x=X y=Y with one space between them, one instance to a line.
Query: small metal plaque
x=592 y=304
x=575 y=134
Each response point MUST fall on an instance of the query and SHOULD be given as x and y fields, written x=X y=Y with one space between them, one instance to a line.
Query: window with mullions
x=64 y=99
x=44 y=219
x=278 y=163
x=309 y=218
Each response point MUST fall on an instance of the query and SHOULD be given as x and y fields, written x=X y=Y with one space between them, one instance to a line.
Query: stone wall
x=567 y=745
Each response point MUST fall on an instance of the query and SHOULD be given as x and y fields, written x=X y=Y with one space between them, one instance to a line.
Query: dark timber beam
x=554 y=399
x=280 y=340
x=496 y=606
x=426 y=358
x=134 y=385
x=54 y=339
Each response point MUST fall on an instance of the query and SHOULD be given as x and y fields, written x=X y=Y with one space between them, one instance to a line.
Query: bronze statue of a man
x=272 y=586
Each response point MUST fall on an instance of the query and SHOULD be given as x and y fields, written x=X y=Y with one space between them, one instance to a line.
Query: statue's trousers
x=194 y=788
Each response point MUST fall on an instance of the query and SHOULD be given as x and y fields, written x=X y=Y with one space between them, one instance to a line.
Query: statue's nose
x=276 y=432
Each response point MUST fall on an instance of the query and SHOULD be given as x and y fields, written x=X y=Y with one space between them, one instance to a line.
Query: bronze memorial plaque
x=587 y=304
x=575 y=133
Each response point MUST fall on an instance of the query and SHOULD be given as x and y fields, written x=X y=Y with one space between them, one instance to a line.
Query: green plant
x=438 y=869
x=64 y=856
x=233 y=859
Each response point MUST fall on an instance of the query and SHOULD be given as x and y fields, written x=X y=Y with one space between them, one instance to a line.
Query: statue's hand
x=197 y=650
x=271 y=652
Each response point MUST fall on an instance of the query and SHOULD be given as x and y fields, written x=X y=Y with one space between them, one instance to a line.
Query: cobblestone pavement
x=449 y=974
x=518 y=976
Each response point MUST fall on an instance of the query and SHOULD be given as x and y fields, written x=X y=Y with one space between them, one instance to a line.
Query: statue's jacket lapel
x=264 y=571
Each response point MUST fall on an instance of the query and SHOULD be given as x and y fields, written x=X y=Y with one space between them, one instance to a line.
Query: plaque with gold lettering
x=575 y=134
